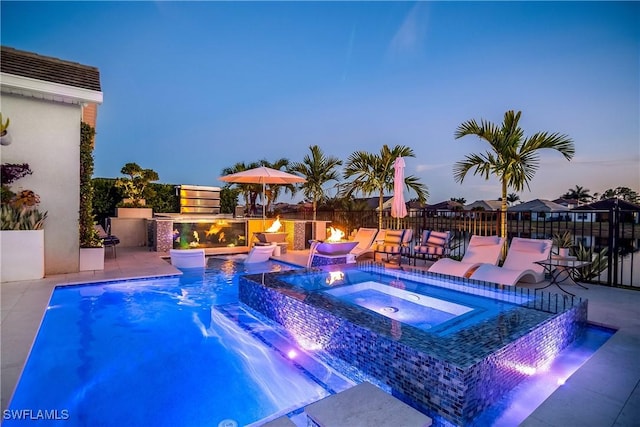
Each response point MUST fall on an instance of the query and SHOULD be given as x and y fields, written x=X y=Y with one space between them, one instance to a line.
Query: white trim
x=26 y=86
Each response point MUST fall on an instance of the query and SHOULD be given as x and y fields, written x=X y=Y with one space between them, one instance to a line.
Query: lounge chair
x=519 y=265
x=395 y=243
x=108 y=239
x=188 y=258
x=433 y=245
x=365 y=238
x=260 y=253
x=481 y=250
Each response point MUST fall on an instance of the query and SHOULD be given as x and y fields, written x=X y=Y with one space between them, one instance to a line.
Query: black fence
x=611 y=238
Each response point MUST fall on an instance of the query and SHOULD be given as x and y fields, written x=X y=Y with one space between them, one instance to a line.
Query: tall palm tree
x=513 y=158
x=318 y=169
x=579 y=193
x=374 y=173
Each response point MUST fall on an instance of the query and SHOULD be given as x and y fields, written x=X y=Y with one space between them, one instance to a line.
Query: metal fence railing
x=612 y=235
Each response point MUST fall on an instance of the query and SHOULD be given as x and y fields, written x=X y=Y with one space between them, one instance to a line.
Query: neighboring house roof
x=570 y=203
x=609 y=204
x=372 y=202
x=30 y=74
x=539 y=205
x=487 y=205
x=447 y=205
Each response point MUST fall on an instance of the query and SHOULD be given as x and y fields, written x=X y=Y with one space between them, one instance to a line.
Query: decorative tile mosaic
x=454 y=376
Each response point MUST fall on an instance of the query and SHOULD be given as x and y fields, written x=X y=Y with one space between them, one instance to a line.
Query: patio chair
x=260 y=253
x=108 y=239
x=519 y=265
x=433 y=245
x=188 y=258
x=365 y=238
x=481 y=250
x=395 y=243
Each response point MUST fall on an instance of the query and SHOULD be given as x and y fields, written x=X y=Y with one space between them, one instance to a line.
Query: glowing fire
x=334 y=276
x=275 y=226
x=336 y=235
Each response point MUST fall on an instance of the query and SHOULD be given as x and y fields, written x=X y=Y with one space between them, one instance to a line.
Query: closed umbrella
x=262 y=175
x=398 y=207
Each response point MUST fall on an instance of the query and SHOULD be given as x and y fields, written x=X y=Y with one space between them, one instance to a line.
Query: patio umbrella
x=262 y=175
x=398 y=207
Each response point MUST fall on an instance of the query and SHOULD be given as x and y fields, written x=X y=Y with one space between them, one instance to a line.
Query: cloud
x=410 y=36
x=429 y=167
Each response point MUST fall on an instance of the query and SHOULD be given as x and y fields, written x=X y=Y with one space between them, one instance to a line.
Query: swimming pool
x=171 y=351
x=453 y=370
x=174 y=332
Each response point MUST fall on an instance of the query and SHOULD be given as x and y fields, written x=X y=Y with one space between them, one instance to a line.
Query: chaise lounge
x=188 y=258
x=260 y=253
x=365 y=238
x=481 y=250
x=519 y=265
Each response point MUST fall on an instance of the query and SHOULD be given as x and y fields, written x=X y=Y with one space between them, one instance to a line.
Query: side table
x=557 y=267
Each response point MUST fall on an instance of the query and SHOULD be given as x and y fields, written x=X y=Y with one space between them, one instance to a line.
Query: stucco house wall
x=44 y=98
x=46 y=135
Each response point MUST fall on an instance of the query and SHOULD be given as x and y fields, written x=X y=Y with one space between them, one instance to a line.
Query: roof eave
x=25 y=86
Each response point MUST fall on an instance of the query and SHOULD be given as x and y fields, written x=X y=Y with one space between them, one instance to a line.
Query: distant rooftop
x=45 y=68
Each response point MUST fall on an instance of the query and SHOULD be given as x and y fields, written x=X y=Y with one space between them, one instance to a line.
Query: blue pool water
x=168 y=352
x=184 y=351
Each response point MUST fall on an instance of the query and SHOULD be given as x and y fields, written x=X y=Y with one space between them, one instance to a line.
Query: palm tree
x=374 y=173
x=513 y=158
x=318 y=169
x=578 y=193
x=512 y=198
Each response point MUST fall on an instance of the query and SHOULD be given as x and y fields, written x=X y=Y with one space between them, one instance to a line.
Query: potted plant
x=22 y=225
x=5 y=137
x=135 y=186
x=564 y=243
x=91 y=246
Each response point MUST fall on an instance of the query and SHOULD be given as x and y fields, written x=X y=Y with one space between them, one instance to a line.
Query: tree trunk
x=503 y=217
x=380 y=203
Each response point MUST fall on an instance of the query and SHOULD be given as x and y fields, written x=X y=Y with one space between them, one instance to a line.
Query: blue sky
x=191 y=88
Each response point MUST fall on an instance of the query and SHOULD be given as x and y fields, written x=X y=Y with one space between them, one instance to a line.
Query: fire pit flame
x=336 y=235
x=275 y=226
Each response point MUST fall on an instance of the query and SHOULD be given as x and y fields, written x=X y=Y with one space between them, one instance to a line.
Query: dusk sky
x=192 y=88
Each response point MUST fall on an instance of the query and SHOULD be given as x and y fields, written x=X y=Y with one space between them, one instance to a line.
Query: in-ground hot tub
x=478 y=342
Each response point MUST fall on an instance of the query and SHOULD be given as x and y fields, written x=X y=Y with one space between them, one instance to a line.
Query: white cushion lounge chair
x=481 y=250
x=519 y=265
x=188 y=258
x=365 y=238
x=260 y=254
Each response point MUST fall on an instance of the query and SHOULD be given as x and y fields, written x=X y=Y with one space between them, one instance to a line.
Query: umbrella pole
x=264 y=196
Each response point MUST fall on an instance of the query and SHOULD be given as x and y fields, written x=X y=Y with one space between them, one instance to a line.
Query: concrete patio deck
x=604 y=392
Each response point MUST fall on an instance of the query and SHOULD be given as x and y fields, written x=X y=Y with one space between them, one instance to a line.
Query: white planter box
x=22 y=254
x=140 y=213
x=91 y=259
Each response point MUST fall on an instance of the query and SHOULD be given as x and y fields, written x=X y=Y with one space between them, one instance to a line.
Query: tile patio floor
x=604 y=392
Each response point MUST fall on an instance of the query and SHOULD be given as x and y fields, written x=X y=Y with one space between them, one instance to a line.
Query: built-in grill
x=199 y=199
